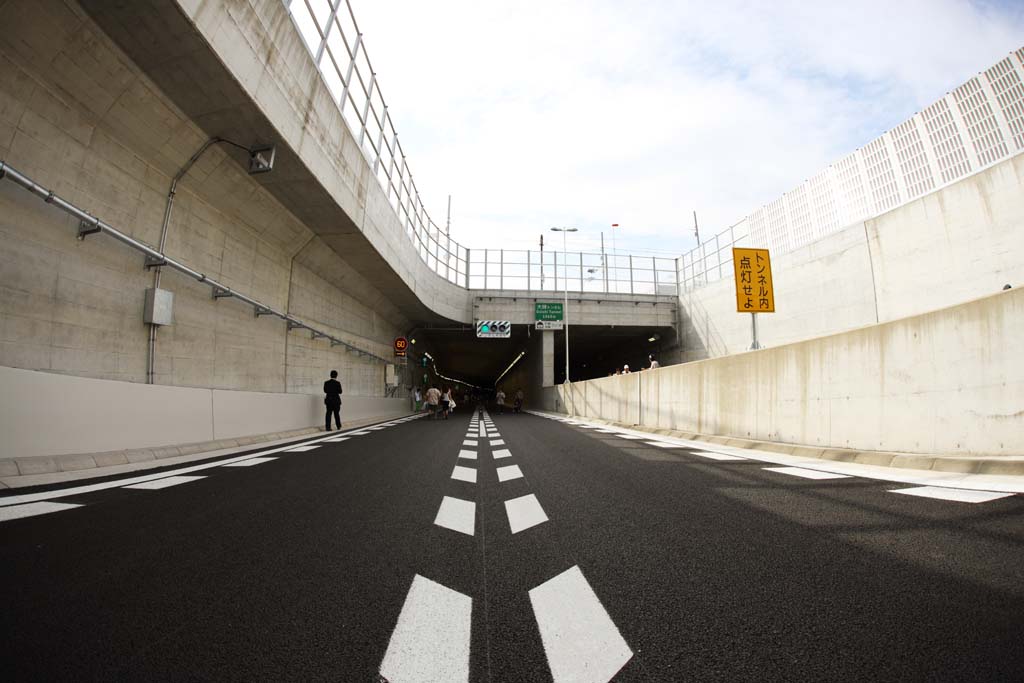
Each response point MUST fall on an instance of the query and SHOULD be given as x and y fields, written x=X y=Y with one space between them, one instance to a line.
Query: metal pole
x=696 y=230
x=565 y=313
x=542 y=263
x=753 y=328
x=604 y=263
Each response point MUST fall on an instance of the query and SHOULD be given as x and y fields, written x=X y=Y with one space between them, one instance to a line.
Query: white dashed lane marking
x=580 y=640
x=32 y=509
x=663 y=444
x=337 y=440
x=717 y=456
x=250 y=462
x=163 y=483
x=502 y=453
x=524 y=512
x=805 y=473
x=301 y=449
x=457 y=514
x=431 y=639
x=629 y=436
x=464 y=474
x=509 y=473
x=468 y=455
x=497 y=442
x=958 y=495
x=470 y=442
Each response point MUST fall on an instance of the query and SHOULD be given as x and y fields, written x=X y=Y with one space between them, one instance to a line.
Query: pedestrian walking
x=654 y=362
x=332 y=400
x=433 y=401
x=500 y=399
x=417 y=396
x=446 y=401
x=517 y=405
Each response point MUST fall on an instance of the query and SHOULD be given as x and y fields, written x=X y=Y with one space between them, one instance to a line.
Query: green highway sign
x=546 y=311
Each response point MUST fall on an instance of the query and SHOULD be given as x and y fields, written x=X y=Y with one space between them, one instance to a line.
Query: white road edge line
x=431 y=639
x=580 y=640
x=805 y=473
x=164 y=483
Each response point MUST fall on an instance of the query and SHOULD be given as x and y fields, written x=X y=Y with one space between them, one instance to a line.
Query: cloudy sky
x=539 y=113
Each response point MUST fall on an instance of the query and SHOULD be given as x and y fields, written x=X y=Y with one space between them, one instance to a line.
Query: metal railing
x=712 y=260
x=336 y=45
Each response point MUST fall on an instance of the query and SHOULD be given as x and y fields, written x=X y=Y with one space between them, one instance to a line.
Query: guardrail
x=336 y=45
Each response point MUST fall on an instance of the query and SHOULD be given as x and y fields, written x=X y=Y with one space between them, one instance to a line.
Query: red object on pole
x=615 y=225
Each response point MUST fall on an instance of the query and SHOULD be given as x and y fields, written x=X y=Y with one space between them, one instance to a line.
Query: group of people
x=439 y=402
x=624 y=370
x=517 y=400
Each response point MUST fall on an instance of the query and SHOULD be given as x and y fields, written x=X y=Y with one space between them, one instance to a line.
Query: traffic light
x=423 y=361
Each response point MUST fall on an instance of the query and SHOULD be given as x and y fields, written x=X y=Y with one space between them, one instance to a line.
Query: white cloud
x=589 y=112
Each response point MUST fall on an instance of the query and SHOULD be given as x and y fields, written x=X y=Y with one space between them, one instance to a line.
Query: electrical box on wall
x=159 y=308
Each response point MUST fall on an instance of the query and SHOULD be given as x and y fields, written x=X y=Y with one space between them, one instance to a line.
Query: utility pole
x=565 y=309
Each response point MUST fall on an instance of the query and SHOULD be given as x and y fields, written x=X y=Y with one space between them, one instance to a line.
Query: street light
x=565 y=312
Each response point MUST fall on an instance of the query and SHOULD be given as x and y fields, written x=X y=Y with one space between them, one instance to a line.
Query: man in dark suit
x=332 y=399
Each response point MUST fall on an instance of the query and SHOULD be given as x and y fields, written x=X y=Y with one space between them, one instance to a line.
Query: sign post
x=755 y=292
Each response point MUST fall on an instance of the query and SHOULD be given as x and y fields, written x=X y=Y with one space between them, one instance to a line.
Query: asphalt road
x=635 y=563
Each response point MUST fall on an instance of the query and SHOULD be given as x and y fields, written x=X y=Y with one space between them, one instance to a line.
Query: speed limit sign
x=401 y=344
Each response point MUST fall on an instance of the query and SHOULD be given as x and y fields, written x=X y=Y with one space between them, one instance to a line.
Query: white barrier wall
x=946 y=382
x=44 y=414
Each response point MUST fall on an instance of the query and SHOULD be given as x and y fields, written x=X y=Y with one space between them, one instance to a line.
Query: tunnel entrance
x=594 y=351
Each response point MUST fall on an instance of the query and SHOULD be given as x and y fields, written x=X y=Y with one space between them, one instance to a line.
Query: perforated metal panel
x=1009 y=91
x=946 y=141
x=982 y=128
x=913 y=162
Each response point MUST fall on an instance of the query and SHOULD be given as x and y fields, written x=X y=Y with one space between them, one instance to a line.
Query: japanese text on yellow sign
x=754 y=293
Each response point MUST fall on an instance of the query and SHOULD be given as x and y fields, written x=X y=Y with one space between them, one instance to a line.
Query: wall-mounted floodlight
x=654 y=338
x=261 y=158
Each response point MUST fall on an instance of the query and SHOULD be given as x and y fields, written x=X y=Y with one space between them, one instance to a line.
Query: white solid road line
x=359 y=433
x=524 y=512
x=250 y=462
x=580 y=640
x=663 y=444
x=470 y=442
x=958 y=495
x=483 y=432
x=32 y=509
x=497 y=442
x=501 y=453
x=805 y=473
x=302 y=449
x=468 y=455
x=338 y=439
x=430 y=643
x=628 y=436
x=464 y=474
x=163 y=483
x=457 y=514
x=510 y=472
x=717 y=456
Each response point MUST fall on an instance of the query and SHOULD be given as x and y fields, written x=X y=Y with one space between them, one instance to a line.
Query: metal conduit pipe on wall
x=89 y=225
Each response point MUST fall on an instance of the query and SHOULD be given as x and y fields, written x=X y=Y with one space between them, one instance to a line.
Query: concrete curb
x=1005 y=464
x=41 y=471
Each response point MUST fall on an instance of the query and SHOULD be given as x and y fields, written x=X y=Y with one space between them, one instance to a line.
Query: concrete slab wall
x=946 y=382
x=45 y=414
x=950 y=246
x=80 y=117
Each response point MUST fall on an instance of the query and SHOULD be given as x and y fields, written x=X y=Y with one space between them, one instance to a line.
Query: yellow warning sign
x=753 y=269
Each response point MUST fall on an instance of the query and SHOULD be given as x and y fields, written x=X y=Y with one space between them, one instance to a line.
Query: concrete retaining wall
x=949 y=382
x=951 y=246
x=46 y=414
